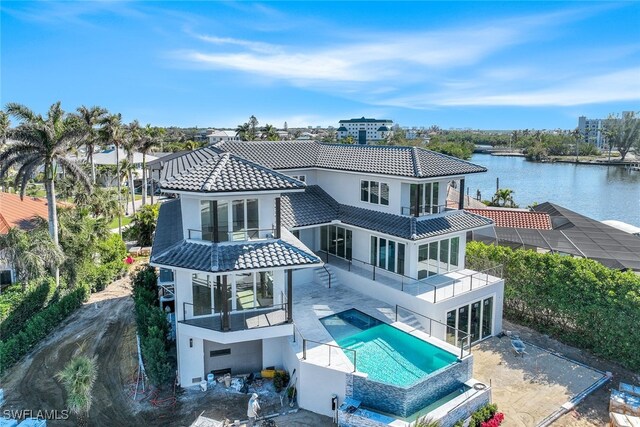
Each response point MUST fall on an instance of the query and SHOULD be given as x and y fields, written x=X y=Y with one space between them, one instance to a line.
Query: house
x=15 y=212
x=300 y=255
x=217 y=135
x=549 y=227
x=365 y=130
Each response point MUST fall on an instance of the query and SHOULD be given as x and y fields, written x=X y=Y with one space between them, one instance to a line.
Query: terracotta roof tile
x=19 y=213
x=516 y=218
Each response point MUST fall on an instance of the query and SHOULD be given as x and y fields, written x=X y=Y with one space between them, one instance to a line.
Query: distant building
x=592 y=130
x=365 y=130
x=222 y=135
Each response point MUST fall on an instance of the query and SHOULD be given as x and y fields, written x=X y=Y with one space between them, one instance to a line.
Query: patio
x=532 y=388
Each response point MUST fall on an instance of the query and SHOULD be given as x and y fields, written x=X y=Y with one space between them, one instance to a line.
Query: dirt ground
x=594 y=410
x=105 y=327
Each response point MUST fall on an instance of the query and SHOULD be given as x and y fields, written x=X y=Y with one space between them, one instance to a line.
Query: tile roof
x=20 y=213
x=216 y=257
x=380 y=159
x=210 y=170
x=314 y=206
x=515 y=218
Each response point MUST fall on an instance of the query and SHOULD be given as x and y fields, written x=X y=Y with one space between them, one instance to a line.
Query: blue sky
x=455 y=64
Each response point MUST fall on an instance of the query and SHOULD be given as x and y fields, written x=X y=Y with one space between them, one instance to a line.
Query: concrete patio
x=529 y=389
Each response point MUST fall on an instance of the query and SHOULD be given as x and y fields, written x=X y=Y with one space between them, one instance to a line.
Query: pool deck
x=313 y=301
x=529 y=389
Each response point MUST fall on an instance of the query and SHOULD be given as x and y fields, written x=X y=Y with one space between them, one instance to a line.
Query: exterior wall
x=4 y=265
x=273 y=352
x=245 y=357
x=190 y=358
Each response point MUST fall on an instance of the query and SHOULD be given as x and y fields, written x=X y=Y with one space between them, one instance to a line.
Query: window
x=475 y=318
x=425 y=196
x=202 y=298
x=235 y=220
x=336 y=240
x=223 y=352
x=374 y=192
x=438 y=257
x=302 y=178
x=387 y=254
x=5 y=277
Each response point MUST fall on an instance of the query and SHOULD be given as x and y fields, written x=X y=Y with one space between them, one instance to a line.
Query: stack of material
x=624 y=406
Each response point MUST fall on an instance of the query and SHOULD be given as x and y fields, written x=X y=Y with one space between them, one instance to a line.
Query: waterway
x=599 y=192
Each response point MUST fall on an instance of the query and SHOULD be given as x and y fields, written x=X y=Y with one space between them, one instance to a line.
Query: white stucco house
x=307 y=256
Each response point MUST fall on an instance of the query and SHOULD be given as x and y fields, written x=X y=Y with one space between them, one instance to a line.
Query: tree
x=242 y=131
x=78 y=378
x=5 y=123
x=143 y=224
x=270 y=133
x=111 y=132
x=133 y=138
x=30 y=253
x=44 y=143
x=91 y=116
x=151 y=138
x=503 y=198
x=253 y=128
x=349 y=139
x=622 y=132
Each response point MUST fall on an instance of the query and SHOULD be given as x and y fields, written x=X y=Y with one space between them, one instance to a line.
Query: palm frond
x=22 y=112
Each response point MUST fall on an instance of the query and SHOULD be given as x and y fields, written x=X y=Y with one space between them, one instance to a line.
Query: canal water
x=599 y=192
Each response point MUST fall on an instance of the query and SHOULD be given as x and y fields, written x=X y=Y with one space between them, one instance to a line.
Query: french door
x=475 y=319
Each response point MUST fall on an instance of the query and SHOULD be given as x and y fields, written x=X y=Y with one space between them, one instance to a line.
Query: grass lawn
x=114 y=224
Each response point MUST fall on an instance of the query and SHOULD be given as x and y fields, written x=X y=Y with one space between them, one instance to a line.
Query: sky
x=479 y=65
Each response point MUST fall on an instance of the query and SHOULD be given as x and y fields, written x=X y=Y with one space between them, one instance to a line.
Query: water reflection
x=599 y=192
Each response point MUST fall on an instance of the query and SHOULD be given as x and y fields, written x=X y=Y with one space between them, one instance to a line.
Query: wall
x=272 y=352
x=245 y=357
x=404 y=401
x=190 y=360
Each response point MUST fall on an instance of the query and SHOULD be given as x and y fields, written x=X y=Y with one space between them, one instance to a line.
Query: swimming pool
x=385 y=353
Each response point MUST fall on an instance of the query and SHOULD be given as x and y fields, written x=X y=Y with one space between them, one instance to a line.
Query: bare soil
x=594 y=410
x=105 y=328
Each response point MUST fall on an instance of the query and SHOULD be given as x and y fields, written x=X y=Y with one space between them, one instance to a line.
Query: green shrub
x=145 y=286
x=39 y=326
x=542 y=290
x=33 y=300
x=483 y=414
x=112 y=249
x=280 y=380
x=156 y=360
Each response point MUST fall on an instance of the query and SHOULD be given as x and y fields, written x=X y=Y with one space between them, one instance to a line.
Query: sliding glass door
x=475 y=319
x=336 y=240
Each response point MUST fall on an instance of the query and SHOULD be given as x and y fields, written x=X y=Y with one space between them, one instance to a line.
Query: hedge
x=578 y=301
x=24 y=305
x=153 y=327
x=39 y=326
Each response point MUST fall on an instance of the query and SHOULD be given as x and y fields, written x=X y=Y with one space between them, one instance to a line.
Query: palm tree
x=132 y=139
x=43 y=143
x=270 y=133
x=502 y=197
x=78 y=378
x=30 y=253
x=253 y=127
x=91 y=117
x=242 y=131
x=151 y=138
x=4 y=127
x=112 y=133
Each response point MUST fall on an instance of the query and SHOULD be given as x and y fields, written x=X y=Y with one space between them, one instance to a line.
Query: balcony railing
x=423 y=210
x=319 y=356
x=238 y=320
x=208 y=234
x=437 y=288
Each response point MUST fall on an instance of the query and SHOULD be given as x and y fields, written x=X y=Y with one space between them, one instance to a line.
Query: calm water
x=599 y=192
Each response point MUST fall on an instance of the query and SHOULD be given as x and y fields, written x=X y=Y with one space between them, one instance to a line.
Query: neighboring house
x=552 y=228
x=17 y=213
x=273 y=246
x=364 y=130
x=216 y=135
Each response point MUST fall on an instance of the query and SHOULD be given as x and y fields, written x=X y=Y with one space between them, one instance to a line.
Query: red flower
x=497 y=419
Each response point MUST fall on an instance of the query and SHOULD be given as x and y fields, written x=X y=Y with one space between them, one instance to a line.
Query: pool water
x=385 y=353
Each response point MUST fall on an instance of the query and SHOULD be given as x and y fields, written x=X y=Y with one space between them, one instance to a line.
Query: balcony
x=434 y=289
x=242 y=325
x=251 y=234
x=425 y=210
